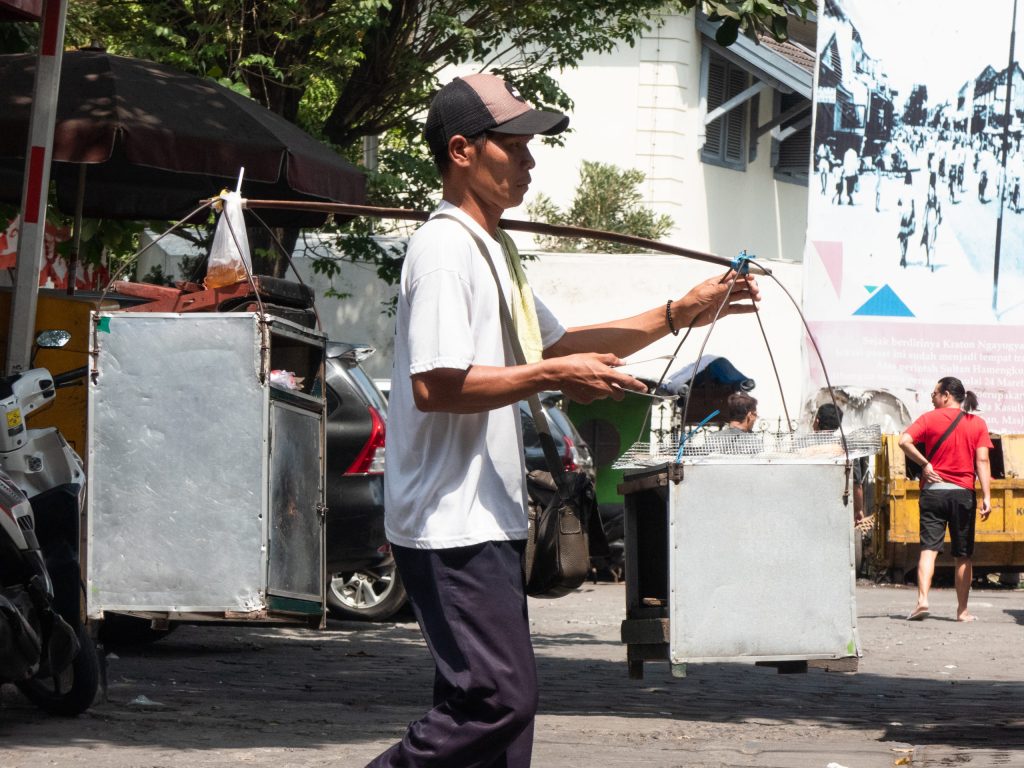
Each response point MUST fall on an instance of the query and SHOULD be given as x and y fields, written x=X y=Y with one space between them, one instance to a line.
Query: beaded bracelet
x=668 y=318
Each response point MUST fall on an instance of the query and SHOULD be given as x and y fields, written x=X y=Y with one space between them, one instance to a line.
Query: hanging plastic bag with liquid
x=229 y=260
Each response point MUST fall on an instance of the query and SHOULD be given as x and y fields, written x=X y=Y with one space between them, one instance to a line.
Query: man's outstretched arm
x=698 y=307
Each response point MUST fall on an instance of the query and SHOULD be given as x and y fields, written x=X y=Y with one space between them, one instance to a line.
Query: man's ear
x=460 y=150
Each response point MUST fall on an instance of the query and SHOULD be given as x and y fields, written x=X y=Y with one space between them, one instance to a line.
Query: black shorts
x=955 y=508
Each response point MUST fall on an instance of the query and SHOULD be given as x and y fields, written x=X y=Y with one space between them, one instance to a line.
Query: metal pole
x=1006 y=151
x=31 y=236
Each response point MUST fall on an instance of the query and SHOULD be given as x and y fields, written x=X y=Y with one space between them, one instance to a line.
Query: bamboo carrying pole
x=515 y=225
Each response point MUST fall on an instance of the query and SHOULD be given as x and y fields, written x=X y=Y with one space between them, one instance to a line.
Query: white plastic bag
x=229 y=260
x=286 y=380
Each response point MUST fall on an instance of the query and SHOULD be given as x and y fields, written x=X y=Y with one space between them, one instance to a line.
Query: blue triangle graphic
x=884 y=303
x=870 y=288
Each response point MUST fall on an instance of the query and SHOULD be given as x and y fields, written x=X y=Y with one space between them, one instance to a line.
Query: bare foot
x=921 y=612
x=966 y=617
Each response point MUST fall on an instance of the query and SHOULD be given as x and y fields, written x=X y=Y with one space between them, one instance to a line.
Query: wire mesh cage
x=728 y=446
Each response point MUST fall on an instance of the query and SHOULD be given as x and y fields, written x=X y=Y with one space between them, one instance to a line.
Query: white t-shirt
x=453 y=480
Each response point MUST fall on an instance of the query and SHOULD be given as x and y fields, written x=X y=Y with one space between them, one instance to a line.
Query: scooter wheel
x=72 y=691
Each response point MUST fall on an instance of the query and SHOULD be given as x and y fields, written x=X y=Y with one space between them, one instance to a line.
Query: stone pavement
x=931 y=693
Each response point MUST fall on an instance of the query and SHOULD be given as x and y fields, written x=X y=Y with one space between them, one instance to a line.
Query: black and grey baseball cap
x=470 y=105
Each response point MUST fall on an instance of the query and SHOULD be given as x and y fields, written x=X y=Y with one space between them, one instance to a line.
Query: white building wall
x=640 y=108
x=587 y=288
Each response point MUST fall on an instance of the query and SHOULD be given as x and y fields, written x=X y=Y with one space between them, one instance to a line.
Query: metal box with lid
x=741 y=552
x=206 y=494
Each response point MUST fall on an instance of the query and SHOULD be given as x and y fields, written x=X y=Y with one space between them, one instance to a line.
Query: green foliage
x=405 y=178
x=753 y=17
x=16 y=36
x=268 y=50
x=190 y=269
x=347 y=69
x=100 y=240
x=157 y=276
x=371 y=65
x=606 y=198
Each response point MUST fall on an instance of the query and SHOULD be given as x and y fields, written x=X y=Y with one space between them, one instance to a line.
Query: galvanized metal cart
x=205 y=478
x=741 y=549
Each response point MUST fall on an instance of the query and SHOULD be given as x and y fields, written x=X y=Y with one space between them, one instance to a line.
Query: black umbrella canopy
x=154 y=141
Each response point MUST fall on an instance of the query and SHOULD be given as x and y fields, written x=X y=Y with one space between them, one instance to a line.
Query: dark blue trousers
x=471 y=606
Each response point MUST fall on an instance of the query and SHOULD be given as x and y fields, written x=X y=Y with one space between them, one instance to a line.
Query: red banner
x=54 y=271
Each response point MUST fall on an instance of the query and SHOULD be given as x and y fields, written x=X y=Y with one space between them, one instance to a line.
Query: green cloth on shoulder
x=524 y=312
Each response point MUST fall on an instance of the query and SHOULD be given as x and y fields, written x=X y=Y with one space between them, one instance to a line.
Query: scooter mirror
x=52 y=339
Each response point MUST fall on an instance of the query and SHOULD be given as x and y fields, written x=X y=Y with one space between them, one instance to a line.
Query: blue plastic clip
x=682 y=440
x=742 y=263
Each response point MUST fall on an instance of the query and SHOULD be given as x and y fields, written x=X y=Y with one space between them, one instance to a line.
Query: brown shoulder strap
x=540 y=418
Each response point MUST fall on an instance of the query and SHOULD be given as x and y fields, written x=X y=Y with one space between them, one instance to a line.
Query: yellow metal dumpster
x=999 y=541
x=70 y=313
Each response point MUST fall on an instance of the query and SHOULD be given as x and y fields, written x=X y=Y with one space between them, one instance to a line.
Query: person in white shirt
x=454 y=488
x=851 y=172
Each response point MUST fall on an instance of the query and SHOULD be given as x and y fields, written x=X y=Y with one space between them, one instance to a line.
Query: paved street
x=936 y=692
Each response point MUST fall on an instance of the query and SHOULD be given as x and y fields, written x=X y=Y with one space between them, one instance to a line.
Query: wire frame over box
x=783 y=447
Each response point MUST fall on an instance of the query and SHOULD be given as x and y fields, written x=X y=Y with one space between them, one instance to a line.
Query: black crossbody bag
x=562 y=509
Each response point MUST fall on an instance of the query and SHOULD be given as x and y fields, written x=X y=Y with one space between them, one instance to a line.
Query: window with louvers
x=726 y=137
x=792 y=157
x=835 y=59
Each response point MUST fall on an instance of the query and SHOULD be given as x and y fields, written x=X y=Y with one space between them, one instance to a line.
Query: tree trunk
x=267 y=258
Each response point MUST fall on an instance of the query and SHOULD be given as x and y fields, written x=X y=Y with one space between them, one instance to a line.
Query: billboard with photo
x=914 y=263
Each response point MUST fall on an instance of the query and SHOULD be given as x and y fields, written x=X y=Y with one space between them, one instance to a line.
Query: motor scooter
x=45 y=649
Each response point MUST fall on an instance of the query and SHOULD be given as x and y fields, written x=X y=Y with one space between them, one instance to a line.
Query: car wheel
x=370 y=595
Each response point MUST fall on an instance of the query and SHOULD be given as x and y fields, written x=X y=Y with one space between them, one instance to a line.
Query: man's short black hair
x=738 y=405
x=828 y=417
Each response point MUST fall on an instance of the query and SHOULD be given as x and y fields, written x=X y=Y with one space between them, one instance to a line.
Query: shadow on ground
x=246 y=686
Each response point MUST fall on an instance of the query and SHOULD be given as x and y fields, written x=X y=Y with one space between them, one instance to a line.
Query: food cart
x=740 y=548
x=206 y=497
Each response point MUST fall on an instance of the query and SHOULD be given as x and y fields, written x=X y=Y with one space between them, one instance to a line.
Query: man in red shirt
x=956 y=445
